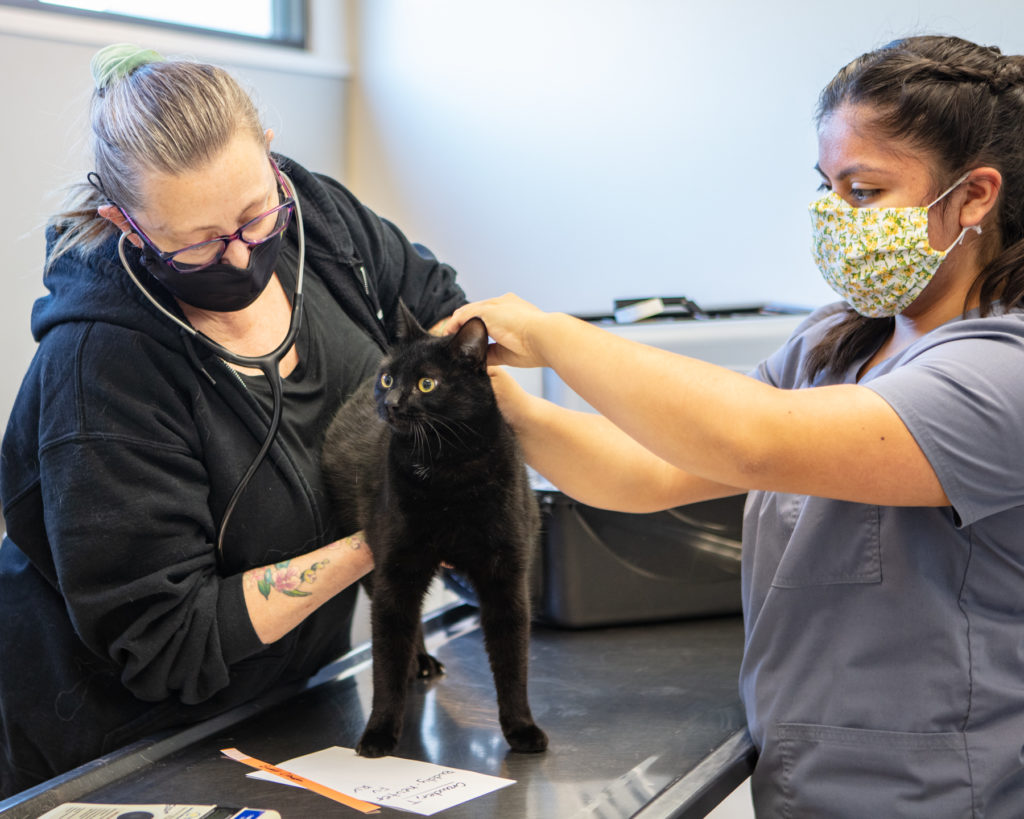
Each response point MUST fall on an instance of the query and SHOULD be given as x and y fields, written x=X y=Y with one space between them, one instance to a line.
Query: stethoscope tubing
x=268 y=364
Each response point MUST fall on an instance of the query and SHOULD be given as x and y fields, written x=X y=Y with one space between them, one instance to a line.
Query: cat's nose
x=391 y=405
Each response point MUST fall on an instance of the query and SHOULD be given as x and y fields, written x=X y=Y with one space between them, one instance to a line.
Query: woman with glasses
x=169 y=552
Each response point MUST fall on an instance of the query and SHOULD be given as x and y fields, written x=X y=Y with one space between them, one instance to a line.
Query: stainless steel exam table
x=643 y=721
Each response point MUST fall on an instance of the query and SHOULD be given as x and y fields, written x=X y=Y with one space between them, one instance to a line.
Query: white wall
x=582 y=150
x=44 y=60
x=573 y=150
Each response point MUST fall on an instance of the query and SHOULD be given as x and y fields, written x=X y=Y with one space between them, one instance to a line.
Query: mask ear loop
x=963 y=231
x=948 y=190
x=268 y=364
x=94 y=180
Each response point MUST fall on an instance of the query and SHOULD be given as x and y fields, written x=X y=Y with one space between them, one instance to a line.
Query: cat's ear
x=409 y=328
x=471 y=341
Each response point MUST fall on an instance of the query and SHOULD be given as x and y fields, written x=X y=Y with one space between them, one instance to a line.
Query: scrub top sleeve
x=960 y=394
x=785 y=367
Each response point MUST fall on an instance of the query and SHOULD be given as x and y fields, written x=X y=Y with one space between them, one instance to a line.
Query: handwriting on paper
x=415 y=794
x=405 y=784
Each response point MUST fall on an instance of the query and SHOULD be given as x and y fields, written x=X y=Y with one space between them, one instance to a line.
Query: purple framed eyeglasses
x=197 y=257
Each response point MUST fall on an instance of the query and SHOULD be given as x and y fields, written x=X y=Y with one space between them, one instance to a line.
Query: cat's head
x=436 y=388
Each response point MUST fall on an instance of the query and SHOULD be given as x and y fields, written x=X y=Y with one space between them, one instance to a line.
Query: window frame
x=298 y=10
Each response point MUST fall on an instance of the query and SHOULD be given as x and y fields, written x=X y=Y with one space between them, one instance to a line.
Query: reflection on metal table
x=643 y=721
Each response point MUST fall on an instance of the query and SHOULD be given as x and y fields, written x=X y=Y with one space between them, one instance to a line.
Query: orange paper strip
x=309 y=784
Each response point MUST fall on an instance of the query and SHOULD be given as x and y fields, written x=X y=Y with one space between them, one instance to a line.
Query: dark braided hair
x=962 y=105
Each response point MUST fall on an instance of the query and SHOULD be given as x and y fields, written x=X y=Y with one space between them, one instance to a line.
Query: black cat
x=422 y=461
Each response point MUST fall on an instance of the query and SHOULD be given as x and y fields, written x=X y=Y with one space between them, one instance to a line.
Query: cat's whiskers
x=420 y=442
x=430 y=423
x=430 y=429
x=454 y=428
x=438 y=428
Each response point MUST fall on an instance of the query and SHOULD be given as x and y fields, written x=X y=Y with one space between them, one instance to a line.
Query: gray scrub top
x=884 y=665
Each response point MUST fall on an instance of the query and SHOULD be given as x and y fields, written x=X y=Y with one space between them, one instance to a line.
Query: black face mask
x=221 y=287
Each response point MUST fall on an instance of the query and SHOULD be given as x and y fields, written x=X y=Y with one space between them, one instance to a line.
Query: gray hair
x=148 y=115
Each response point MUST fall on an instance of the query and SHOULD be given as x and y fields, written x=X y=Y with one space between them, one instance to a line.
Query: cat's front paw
x=426 y=667
x=375 y=743
x=527 y=739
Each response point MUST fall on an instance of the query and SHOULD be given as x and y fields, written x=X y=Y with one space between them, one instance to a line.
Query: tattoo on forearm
x=352 y=543
x=287 y=579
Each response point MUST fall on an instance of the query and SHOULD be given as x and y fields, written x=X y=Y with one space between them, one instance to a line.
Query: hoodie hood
x=95 y=287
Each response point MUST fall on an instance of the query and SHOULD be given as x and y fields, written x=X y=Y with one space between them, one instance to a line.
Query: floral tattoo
x=287 y=579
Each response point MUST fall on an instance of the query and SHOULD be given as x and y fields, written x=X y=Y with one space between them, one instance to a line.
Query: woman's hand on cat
x=512 y=323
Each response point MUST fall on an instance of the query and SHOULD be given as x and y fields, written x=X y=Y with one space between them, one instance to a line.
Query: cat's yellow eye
x=386 y=381
x=426 y=384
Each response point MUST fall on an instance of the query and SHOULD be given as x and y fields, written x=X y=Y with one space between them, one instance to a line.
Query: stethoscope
x=268 y=364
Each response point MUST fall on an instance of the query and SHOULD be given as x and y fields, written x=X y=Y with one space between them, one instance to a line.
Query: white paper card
x=404 y=784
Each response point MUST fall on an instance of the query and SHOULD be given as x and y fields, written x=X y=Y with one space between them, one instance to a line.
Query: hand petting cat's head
x=436 y=388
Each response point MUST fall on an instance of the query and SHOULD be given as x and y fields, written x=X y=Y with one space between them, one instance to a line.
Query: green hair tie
x=115 y=62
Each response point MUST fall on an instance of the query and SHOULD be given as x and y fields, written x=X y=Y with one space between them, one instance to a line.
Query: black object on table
x=643 y=721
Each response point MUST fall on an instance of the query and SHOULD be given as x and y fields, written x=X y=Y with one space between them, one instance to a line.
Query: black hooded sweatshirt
x=124 y=446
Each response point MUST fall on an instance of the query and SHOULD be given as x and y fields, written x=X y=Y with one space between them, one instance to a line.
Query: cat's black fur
x=432 y=473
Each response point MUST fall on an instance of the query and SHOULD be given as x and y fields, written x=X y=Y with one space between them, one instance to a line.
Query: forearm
x=841 y=441
x=697 y=416
x=590 y=459
x=280 y=596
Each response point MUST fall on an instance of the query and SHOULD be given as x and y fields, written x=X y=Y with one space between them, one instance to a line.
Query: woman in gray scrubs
x=882 y=447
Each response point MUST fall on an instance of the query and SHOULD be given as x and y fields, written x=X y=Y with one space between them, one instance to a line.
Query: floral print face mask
x=878 y=259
